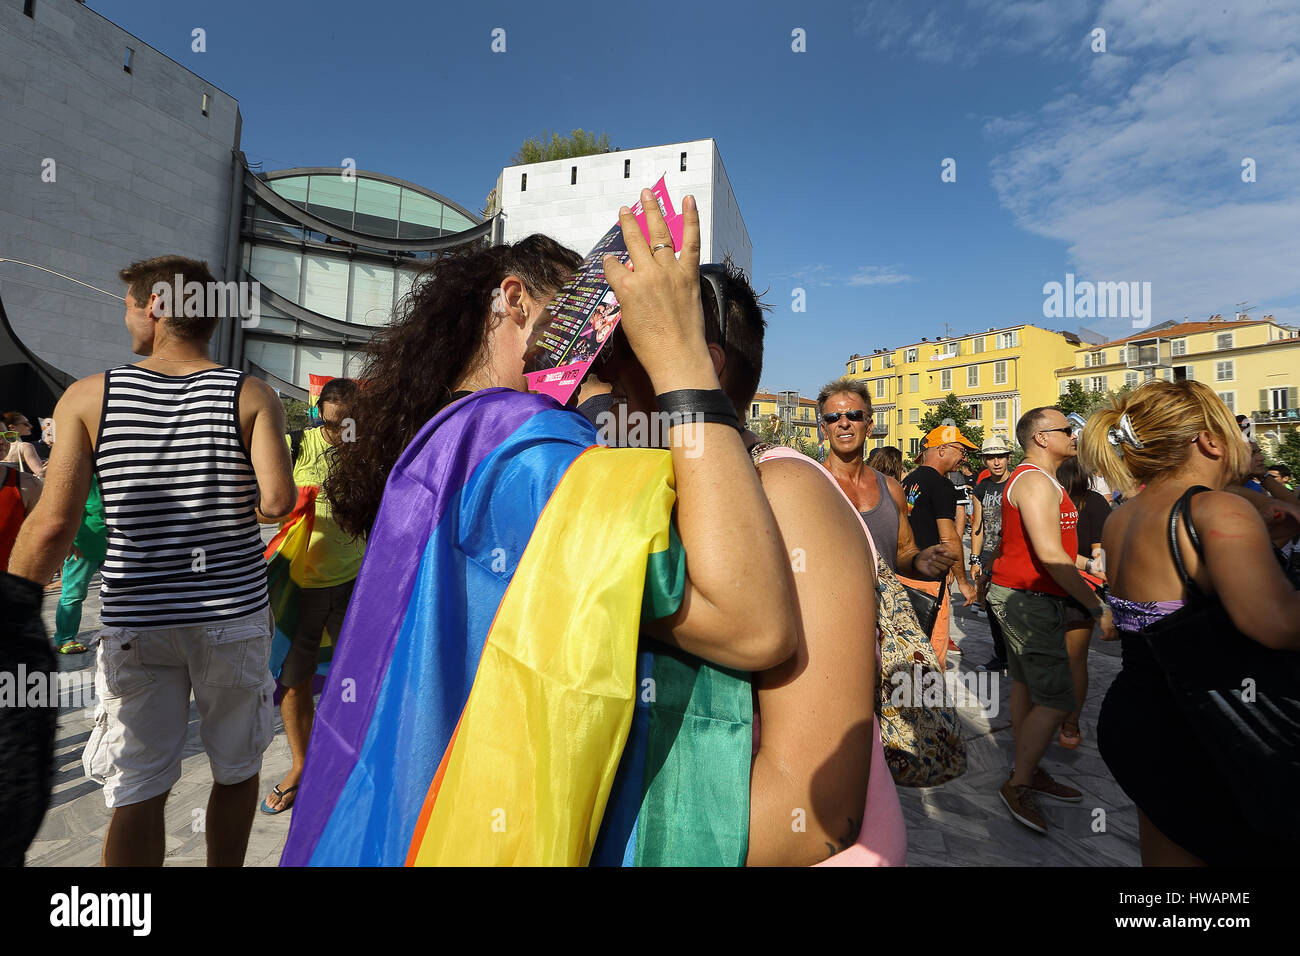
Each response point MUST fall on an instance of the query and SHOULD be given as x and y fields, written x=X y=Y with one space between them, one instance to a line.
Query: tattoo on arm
x=846 y=841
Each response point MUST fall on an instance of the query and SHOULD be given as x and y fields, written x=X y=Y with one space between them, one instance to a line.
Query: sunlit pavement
x=962 y=823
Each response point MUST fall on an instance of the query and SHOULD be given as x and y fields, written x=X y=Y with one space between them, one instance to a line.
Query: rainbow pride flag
x=488 y=703
x=286 y=569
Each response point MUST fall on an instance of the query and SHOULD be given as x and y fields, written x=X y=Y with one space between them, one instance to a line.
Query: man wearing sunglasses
x=846 y=417
x=1031 y=579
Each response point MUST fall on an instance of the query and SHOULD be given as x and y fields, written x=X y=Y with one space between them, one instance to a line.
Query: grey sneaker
x=1023 y=805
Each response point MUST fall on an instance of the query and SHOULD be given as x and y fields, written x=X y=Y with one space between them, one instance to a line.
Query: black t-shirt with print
x=989 y=494
x=930 y=497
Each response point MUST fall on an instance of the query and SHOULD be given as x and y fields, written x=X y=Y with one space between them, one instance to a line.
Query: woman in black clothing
x=1093 y=511
x=1174 y=436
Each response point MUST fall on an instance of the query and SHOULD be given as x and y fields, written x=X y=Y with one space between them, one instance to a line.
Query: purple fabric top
x=1133 y=616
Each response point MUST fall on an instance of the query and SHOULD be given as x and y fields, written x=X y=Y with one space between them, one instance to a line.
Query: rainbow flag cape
x=286 y=566
x=487 y=703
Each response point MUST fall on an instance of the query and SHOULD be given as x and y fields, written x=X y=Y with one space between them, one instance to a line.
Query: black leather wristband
x=709 y=406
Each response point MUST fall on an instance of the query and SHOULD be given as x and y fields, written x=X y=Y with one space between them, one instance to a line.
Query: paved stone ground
x=962 y=823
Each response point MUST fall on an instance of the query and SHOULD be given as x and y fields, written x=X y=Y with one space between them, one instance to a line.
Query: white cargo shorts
x=143 y=680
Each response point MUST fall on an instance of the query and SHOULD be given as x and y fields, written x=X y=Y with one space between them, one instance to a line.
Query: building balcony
x=1277 y=415
x=1149 y=353
x=879 y=431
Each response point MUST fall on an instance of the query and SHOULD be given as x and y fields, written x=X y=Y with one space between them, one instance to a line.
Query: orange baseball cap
x=948 y=435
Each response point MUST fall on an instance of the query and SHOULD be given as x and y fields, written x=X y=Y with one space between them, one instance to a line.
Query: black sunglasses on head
x=716 y=276
x=853 y=415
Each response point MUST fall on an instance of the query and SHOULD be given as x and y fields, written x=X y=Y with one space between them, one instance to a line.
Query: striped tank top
x=178 y=488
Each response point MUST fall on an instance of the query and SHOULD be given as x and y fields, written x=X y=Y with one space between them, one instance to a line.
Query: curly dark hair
x=439 y=331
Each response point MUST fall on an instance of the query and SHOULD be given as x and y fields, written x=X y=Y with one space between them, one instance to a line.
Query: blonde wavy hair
x=1165 y=418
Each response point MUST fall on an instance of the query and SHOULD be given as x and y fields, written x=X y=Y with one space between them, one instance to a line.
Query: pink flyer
x=585 y=312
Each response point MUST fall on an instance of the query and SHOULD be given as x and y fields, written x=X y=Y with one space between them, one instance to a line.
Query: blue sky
x=1117 y=166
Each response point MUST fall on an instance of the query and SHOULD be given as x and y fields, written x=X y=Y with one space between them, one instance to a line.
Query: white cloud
x=1141 y=175
x=878 y=275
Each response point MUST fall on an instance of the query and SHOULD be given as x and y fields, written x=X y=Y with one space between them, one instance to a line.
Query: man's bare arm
x=47 y=534
x=267 y=450
x=1039 y=503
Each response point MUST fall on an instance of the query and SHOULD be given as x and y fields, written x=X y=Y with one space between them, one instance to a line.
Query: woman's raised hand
x=660 y=298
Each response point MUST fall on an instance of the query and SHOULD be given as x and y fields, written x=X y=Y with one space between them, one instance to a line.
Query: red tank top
x=1018 y=567
x=12 y=513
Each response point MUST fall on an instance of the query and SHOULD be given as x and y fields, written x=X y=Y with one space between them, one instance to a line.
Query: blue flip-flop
x=281 y=794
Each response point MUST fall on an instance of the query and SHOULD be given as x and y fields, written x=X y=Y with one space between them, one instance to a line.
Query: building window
x=683 y=162
x=1179 y=347
x=1122 y=352
x=880 y=443
x=1094 y=359
x=979 y=344
x=951 y=348
x=974 y=411
x=573 y=175
x=523 y=182
x=915 y=447
x=1223 y=341
x=945 y=379
x=1130 y=379
x=1000 y=411
x=913 y=416
x=914 y=382
x=627 y=169
x=866 y=365
x=1007 y=340
x=127 y=59
x=888 y=362
x=1097 y=383
x=1229 y=399
x=910 y=356
x=1223 y=371
x=900 y=416
x=972 y=375
x=205 y=104
x=853 y=368
x=753 y=410
x=999 y=373
x=880 y=388
x=1279 y=399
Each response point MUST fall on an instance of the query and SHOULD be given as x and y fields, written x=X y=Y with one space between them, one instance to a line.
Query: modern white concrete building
x=576 y=200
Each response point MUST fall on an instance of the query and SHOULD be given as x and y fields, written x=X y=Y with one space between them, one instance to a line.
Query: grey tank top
x=882 y=522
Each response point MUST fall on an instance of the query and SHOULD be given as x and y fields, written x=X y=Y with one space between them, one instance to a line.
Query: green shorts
x=1033 y=625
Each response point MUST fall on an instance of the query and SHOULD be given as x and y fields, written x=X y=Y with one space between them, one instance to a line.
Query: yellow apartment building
x=1253 y=365
x=790 y=407
x=997 y=374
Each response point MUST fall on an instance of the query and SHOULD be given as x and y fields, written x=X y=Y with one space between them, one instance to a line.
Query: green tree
x=1288 y=451
x=1075 y=399
x=952 y=412
x=551 y=146
x=295 y=413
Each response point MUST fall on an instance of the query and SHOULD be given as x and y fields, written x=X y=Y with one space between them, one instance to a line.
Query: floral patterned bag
x=923 y=743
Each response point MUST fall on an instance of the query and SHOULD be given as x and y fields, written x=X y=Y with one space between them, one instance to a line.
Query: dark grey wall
x=140 y=171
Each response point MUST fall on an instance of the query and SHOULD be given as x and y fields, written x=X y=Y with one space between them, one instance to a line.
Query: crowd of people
x=528 y=669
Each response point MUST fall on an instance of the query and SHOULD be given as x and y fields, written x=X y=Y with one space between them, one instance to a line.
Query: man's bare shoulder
x=256 y=391
x=800 y=489
x=88 y=391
